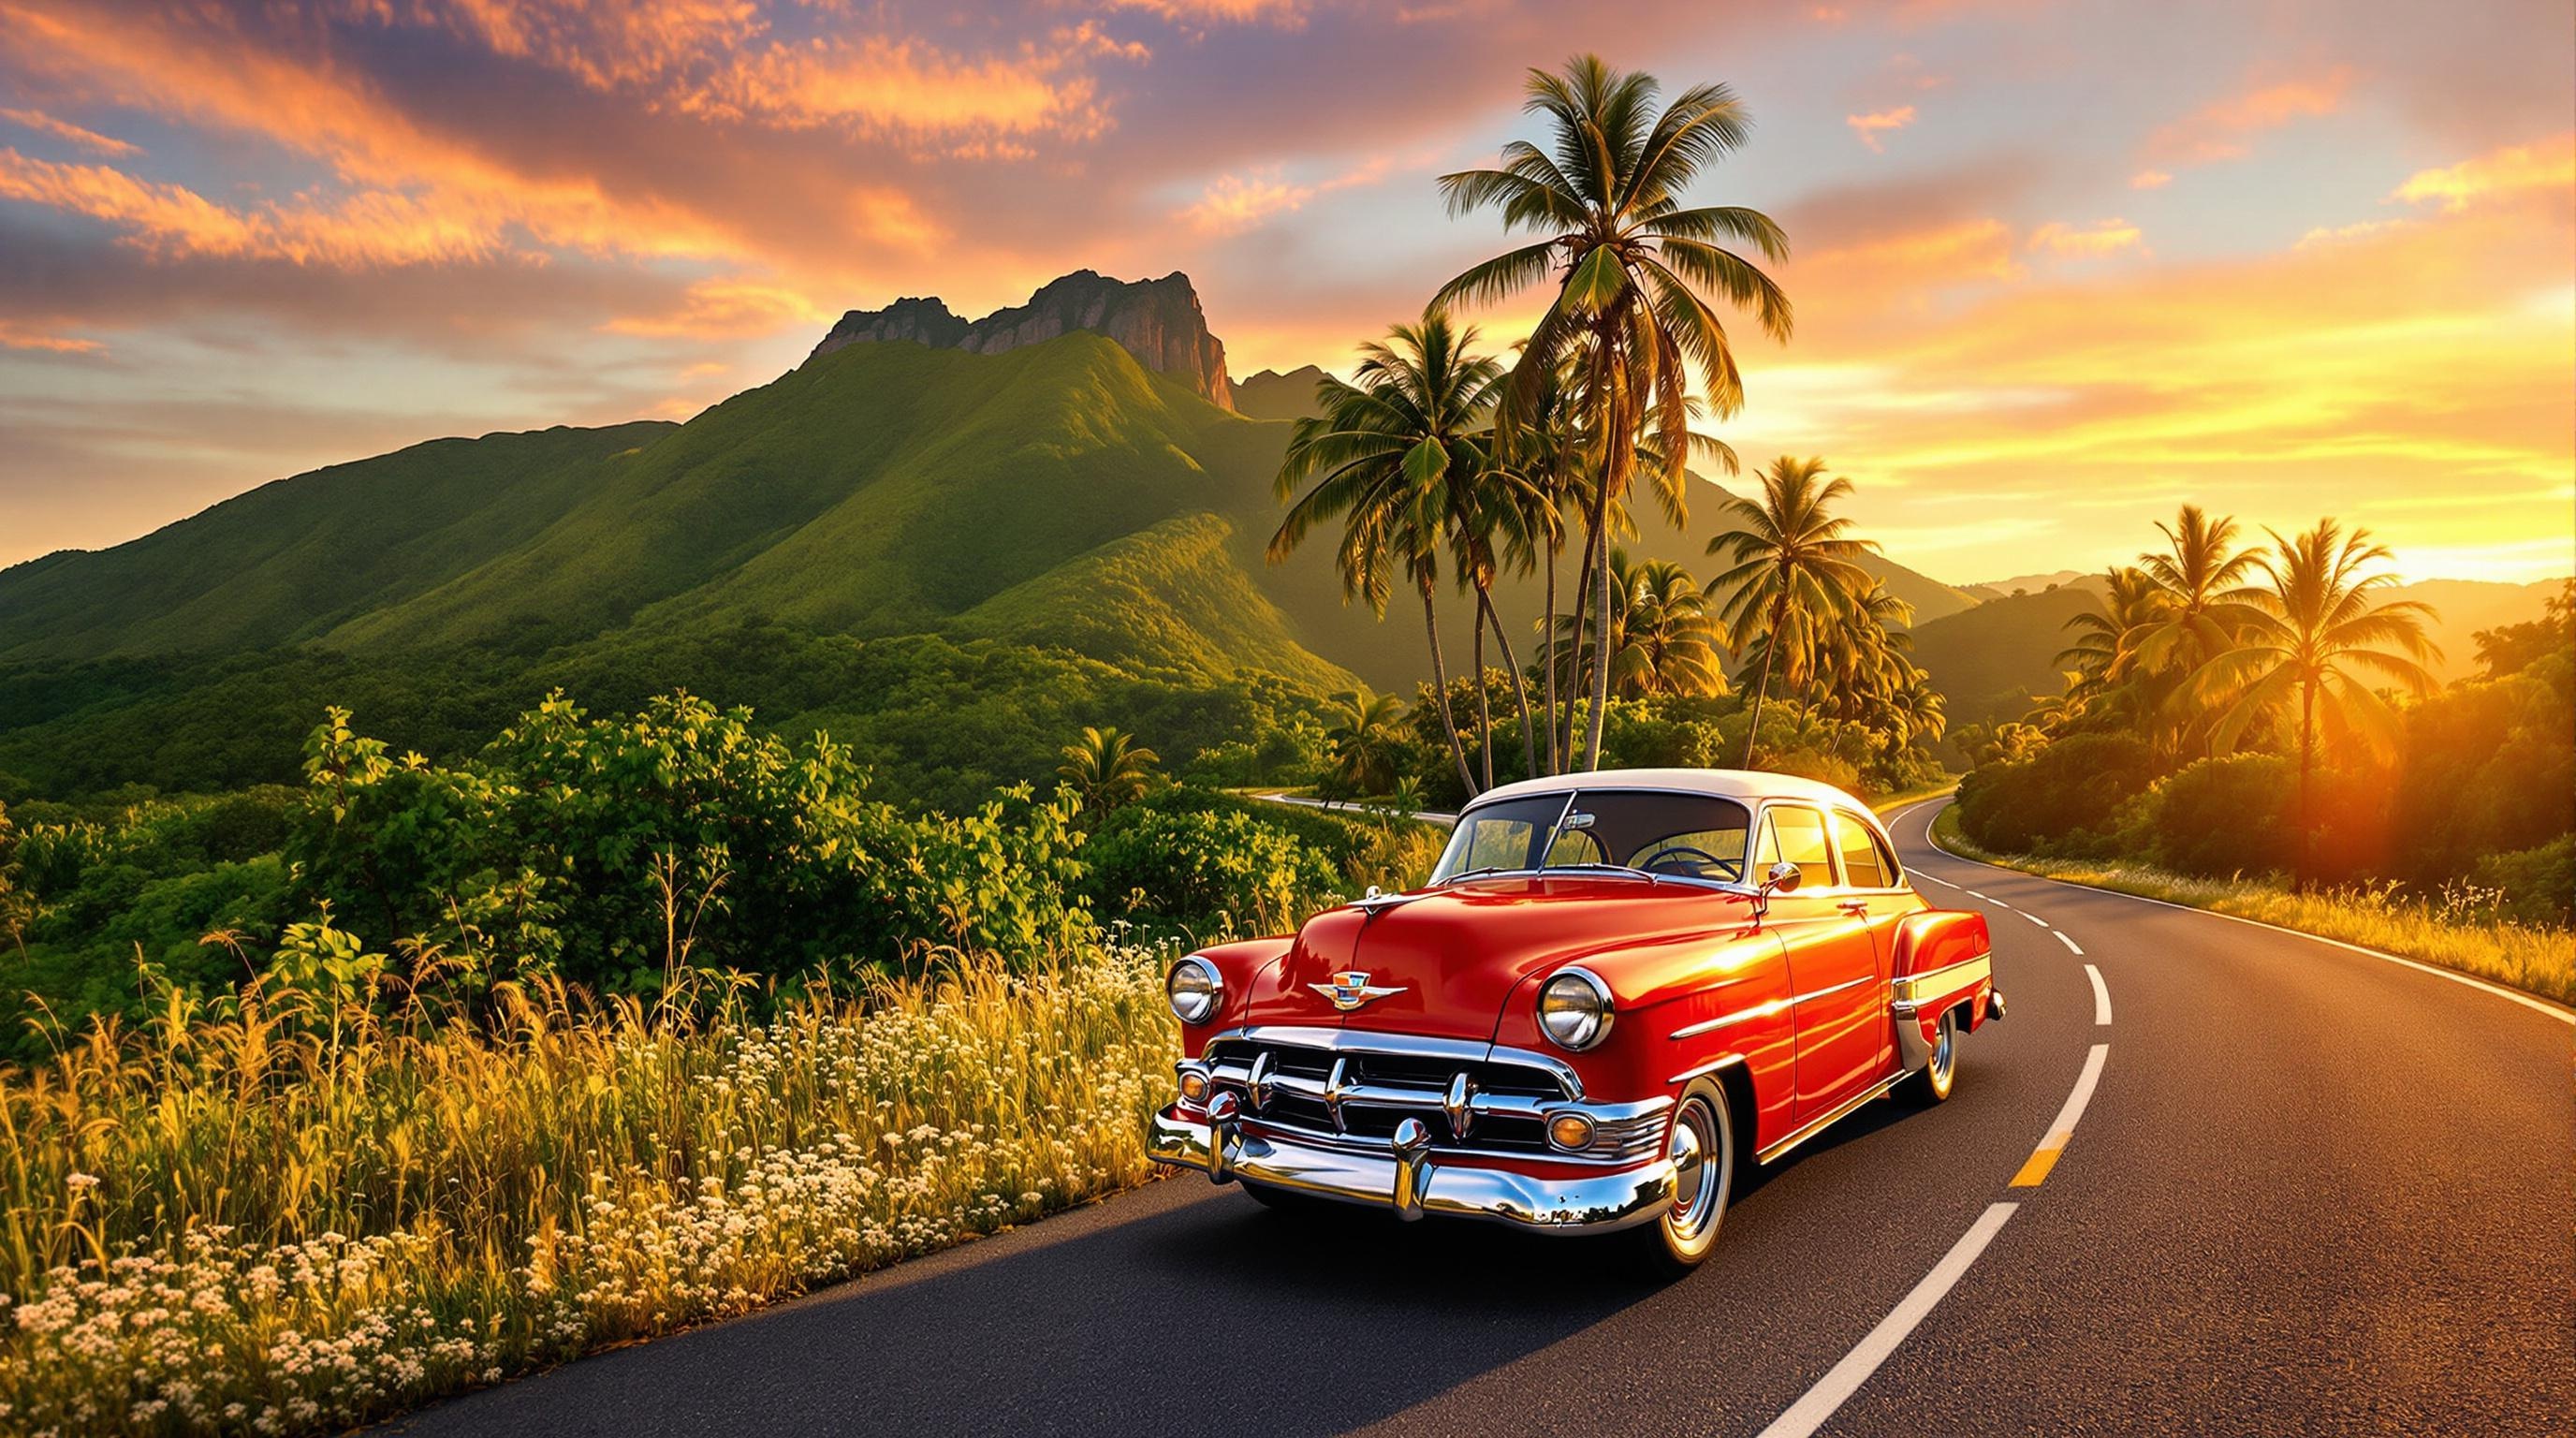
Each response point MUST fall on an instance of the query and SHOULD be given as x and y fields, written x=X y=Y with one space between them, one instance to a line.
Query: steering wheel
x=1726 y=868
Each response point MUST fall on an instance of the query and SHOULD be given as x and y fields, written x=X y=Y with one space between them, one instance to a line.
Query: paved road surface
x=2311 y=1192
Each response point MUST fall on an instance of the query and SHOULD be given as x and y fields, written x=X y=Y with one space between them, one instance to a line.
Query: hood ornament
x=1351 y=989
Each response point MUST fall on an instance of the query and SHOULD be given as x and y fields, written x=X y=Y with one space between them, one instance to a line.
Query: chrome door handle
x=1854 y=906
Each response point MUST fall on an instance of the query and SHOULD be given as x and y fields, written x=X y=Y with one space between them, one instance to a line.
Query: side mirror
x=1782 y=879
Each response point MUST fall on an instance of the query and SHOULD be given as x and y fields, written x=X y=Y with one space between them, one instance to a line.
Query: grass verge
x=2528 y=957
x=294 y=1219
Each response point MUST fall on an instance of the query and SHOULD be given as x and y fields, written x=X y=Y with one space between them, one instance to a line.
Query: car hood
x=1454 y=955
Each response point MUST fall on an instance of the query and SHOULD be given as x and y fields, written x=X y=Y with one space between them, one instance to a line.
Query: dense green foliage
x=2467 y=792
x=613 y=853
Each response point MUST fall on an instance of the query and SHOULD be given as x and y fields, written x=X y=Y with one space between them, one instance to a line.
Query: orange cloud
x=2218 y=131
x=904 y=85
x=65 y=130
x=1233 y=203
x=1869 y=127
x=726 y=308
x=2149 y=180
x=366 y=230
x=2104 y=238
x=16 y=336
x=2548 y=165
x=1284 y=14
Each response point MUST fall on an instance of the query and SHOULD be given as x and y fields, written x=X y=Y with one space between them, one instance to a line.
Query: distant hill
x=1990 y=662
x=1272 y=395
x=2031 y=583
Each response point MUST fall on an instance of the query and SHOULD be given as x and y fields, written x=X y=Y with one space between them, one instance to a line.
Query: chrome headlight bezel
x=1575 y=1010
x=1195 y=990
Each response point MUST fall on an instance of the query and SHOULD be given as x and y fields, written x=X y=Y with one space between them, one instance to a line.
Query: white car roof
x=1747 y=786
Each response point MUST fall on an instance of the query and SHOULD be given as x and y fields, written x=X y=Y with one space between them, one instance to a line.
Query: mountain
x=297 y=558
x=1157 y=321
x=1272 y=395
x=2031 y=583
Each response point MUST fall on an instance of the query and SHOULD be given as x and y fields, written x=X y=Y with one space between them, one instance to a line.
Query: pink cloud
x=1869 y=127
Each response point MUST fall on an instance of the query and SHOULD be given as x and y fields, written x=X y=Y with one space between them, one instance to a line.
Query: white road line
x=1944 y=883
x=2036 y=919
x=1845 y=1378
x=1971 y=893
x=2101 y=994
x=2071 y=946
x=2538 y=1006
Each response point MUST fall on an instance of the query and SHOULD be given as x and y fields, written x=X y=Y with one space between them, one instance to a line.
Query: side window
x=1863 y=860
x=1887 y=860
x=1798 y=836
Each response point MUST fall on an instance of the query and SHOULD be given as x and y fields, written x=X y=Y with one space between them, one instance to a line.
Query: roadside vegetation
x=2254 y=728
x=2455 y=928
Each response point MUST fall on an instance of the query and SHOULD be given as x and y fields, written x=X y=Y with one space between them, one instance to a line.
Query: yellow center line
x=2060 y=1133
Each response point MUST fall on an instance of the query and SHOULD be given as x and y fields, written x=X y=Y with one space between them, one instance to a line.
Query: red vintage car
x=1615 y=989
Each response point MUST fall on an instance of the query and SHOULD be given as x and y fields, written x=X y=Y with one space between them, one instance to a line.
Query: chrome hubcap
x=1697 y=1176
x=1944 y=1054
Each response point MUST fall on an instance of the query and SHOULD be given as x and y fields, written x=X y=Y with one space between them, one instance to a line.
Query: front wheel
x=1703 y=1154
x=1932 y=1083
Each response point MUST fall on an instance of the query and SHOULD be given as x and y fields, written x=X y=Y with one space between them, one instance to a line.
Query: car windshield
x=1647 y=832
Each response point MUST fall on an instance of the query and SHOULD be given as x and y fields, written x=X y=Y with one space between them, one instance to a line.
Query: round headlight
x=1574 y=1010
x=1195 y=990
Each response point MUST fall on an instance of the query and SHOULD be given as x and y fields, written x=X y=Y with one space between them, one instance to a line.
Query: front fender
x=1251 y=970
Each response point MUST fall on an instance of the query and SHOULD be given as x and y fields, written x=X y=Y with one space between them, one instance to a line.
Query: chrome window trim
x=1887 y=854
x=1833 y=857
x=1752 y=808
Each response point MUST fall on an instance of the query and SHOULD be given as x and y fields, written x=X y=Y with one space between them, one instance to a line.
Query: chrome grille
x=1331 y=1086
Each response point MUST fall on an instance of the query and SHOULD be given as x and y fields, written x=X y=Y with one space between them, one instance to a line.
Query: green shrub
x=1209 y=873
x=2059 y=800
x=2231 y=815
x=2538 y=884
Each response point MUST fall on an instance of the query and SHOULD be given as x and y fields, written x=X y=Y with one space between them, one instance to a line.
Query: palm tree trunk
x=1484 y=708
x=1520 y=681
x=1770 y=656
x=1440 y=688
x=1600 y=619
x=1547 y=642
x=2301 y=879
x=1572 y=660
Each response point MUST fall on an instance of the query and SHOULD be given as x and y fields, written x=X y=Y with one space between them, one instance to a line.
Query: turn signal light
x=1194 y=1086
x=1570 y=1131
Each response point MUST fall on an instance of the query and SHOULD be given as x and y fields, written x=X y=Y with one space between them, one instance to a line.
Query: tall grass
x=278 y=1219
x=2447 y=930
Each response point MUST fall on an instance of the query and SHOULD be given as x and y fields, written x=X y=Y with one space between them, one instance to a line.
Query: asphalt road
x=2312 y=1191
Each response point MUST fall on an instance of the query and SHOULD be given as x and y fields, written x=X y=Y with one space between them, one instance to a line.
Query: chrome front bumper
x=1411 y=1180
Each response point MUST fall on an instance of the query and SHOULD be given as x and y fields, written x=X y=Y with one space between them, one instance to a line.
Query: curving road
x=2306 y=1190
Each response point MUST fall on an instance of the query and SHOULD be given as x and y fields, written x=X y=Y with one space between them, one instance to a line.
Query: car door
x=1874 y=893
x=1838 y=1003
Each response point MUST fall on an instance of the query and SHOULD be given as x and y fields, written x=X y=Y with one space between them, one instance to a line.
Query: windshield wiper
x=1472 y=873
x=1625 y=870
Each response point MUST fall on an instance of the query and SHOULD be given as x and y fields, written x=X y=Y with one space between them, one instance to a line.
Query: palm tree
x=2313 y=631
x=1794 y=568
x=1492 y=520
x=2207 y=583
x=1628 y=263
x=1107 y=767
x=1365 y=730
x=2105 y=651
x=1391 y=455
x=1663 y=640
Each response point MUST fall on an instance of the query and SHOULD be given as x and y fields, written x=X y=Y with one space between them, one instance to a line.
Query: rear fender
x=1944 y=961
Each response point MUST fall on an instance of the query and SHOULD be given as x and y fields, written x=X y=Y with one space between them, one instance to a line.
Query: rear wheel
x=1932 y=1083
x=1702 y=1148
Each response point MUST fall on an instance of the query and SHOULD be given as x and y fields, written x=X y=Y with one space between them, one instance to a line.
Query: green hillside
x=294 y=559
x=1990 y=662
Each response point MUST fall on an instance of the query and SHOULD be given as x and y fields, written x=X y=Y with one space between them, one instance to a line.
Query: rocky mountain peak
x=1157 y=321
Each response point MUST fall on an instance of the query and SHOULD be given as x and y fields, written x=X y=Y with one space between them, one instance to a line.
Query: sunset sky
x=2058 y=267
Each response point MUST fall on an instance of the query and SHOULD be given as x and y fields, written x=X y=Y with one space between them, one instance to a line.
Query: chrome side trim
x=1911 y=992
x=1836 y=988
x=1819 y=1124
x=1712 y=1066
x=1710 y=1026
